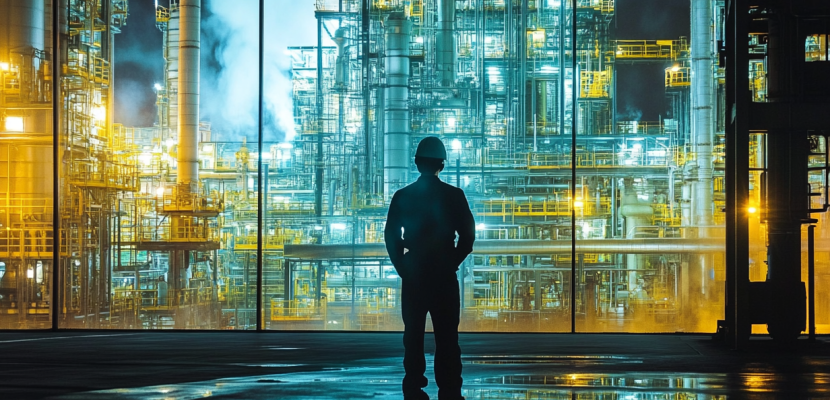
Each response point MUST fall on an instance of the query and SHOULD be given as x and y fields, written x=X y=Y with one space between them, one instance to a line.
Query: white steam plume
x=230 y=77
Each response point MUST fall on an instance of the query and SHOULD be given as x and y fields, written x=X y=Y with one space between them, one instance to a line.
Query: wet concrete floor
x=280 y=365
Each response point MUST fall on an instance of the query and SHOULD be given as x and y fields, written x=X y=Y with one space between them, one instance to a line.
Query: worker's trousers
x=439 y=297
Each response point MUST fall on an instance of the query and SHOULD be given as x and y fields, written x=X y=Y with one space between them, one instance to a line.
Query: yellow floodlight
x=14 y=124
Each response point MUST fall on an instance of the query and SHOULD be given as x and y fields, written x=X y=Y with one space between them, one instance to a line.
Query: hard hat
x=431 y=147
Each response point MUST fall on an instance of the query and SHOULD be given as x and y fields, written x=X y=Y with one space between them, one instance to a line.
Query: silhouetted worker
x=420 y=234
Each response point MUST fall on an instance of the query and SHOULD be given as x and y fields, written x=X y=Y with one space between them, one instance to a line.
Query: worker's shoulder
x=455 y=190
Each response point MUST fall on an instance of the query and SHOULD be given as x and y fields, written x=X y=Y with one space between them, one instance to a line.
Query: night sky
x=229 y=61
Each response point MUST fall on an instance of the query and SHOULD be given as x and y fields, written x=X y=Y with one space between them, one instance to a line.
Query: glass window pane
x=155 y=126
x=26 y=178
x=649 y=193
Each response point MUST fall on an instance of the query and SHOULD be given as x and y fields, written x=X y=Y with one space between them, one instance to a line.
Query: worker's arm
x=465 y=226
x=392 y=233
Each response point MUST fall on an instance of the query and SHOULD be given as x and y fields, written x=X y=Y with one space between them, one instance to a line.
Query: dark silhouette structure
x=420 y=235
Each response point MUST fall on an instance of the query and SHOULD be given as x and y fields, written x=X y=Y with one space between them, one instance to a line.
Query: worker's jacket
x=424 y=218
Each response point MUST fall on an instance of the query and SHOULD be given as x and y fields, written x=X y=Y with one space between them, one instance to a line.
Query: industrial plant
x=586 y=221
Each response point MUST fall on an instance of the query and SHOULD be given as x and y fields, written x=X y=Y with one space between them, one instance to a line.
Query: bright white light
x=30 y=273
x=637 y=147
x=318 y=228
x=160 y=191
x=266 y=156
x=456 y=145
x=392 y=276
x=419 y=39
x=279 y=199
x=338 y=226
x=14 y=124
x=675 y=68
x=145 y=158
x=99 y=113
x=752 y=210
x=170 y=142
x=4 y=66
x=157 y=86
x=451 y=122
x=481 y=227
x=578 y=203
x=286 y=145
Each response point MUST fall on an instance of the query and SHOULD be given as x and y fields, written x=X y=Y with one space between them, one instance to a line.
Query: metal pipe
x=445 y=44
x=188 y=126
x=396 y=152
x=702 y=83
x=524 y=247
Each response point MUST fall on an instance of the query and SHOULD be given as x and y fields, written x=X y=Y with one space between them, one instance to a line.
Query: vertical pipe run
x=702 y=98
x=188 y=125
x=811 y=282
x=396 y=152
x=56 y=222
x=318 y=165
x=262 y=175
x=445 y=44
x=574 y=109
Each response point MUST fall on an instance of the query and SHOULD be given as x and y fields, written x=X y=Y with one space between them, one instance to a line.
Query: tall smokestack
x=189 y=25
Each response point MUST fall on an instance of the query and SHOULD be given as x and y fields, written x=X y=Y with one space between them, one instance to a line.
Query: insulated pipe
x=702 y=99
x=445 y=44
x=396 y=124
x=172 y=58
x=188 y=156
x=524 y=247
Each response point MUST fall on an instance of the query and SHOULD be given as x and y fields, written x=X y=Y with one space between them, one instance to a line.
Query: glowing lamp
x=578 y=203
x=160 y=191
x=99 y=113
x=14 y=124
x=675 y=68
x=752 y=210
x=157 y=86
x=456 y=145
x=481 y=227
x=338 y=226
x=4 y=66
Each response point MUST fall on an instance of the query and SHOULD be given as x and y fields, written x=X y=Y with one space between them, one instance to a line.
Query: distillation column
x=188 y=125
x=172 y=56
x=445 y=43
x=702 y=100
x=396 y=124
x=636 y=214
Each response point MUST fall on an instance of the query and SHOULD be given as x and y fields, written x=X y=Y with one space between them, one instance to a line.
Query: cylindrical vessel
x=445 y=43
x=396 y=124
x=341 y=67
x=702 y=99
x=188 y=157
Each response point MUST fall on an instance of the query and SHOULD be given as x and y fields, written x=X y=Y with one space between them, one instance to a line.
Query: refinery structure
x=585 y=222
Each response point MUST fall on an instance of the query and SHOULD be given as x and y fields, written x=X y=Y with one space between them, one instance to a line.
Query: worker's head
x=430 y=155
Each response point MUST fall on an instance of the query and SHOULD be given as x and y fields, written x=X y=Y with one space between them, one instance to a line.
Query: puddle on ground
x=384 y=383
